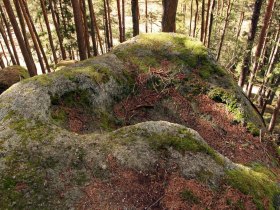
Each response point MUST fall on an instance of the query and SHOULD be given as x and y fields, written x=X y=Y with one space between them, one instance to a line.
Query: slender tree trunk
x=135 y=16
x=250 y=41
x=169 y=15
x=146 y=15
x=43 y=6
x=2 y=31
x=93 y=25
x=57 y=28
x=97 y=31
x=106 y=26
x=120 y=21
x=79 y=29
x=275 y=116
x=240 y=25
x=123 y=19
x=195 y=18
x=33 y=29
x=22 y=24
x=85 y=25
x=190 y=30
x=36 y=46
x=207 y=22
x=27 y=57
x=10 y=35
x=224 y=29
x=267 y=17
x=4 y=54
x=211 y=19
x=109 y=22
x=202 y=20
x=2 y=65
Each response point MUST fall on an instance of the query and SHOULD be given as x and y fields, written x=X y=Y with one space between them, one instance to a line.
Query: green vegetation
x=189 y=196
x=233 y=105
x=258 y=184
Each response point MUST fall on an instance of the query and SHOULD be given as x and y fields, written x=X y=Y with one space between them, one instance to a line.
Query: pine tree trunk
x=250 y=41
x=109 y=22
x=224 y=30
x=28 y=59
x=36 y=46
x=79 y=29
x=2 y=32
x=207 y=22
x=120 y=21
x=3 y=53
x=97 y=31
x=240 y=25
x=2 y=65
x=275 y=115
x=195 y=18
x=202 y=20
x=211 y=19
x=57 y=29
x=169 y=15
x=123 y=19
x=135 y=16
x=43 y=6
x=267 y=17
x=33 y=29
x=190 y=29
x=85 y=25
x=93 y=25
x=10 y=35
x=146 y=15
x=22 y=24
x=106 y=26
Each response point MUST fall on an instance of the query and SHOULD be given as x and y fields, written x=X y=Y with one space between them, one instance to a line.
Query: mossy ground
x=258 y=183
x=233 y=105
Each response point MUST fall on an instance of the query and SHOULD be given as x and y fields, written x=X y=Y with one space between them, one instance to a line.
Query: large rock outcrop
x=69 y=139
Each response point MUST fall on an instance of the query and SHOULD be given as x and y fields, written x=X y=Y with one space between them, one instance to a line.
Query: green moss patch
x=189 y=196
x=233 y=105
x=258 y=184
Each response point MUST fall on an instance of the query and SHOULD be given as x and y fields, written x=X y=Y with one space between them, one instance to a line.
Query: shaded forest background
x=243 y=36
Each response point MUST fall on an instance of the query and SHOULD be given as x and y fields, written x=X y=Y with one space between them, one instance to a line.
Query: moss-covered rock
x=60 y=131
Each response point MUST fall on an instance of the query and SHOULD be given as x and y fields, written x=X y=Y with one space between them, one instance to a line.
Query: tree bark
x=169 y=15
x=267 y=17
x=190 y=29
x=79 y=29
x=250 y=41
x=120 y=21
x=93 y=26
x=274 y=116
x=27 y=57
x=211 y=19
x=123 y=19
x=36 y=46
x=202 y=20
x=85 y=26
x=57 y=29
x=135 y=16
x=2 y=32
x=34 y=31
x=195 y=18
x=224 y=30
x=10 y=35
x=43 y=7
x=109 y=22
